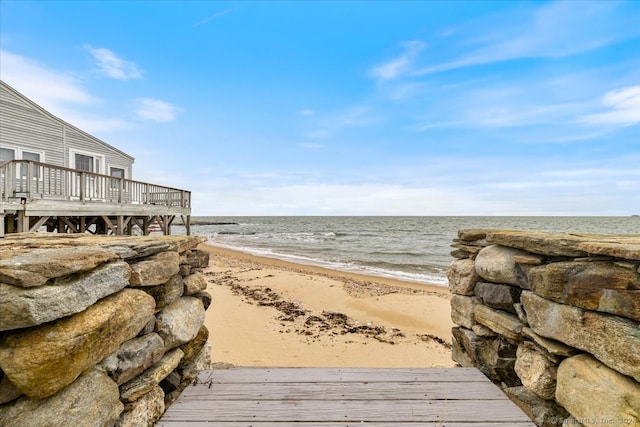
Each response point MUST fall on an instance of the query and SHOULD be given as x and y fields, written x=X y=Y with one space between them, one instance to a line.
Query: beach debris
x=294 y=318
x=429 y=337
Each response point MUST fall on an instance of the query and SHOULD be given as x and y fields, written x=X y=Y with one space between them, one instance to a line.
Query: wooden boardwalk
x=323 y=397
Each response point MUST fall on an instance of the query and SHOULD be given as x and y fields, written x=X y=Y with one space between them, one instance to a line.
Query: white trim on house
x=117 y=166
x=98 y=160
x=18 y=152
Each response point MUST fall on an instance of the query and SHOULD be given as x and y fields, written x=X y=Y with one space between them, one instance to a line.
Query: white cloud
x=400 y=65
x=56 y=91
x=490 y=185
x=624 y=105
x=306 y=112
x=49 y=88
x=111 y=65
x=556 y=30
x=592 y=172
x=156 y=110
x=516 y=103
x=214 y=16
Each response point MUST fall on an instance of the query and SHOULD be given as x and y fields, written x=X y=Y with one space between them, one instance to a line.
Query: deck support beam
x=38 y=223
x=117 y=225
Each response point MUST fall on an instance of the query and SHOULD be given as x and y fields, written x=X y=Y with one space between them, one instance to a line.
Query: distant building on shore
x=55 y=175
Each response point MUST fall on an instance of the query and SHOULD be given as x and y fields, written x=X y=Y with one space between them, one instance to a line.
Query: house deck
x=35 y=195
x=322 y=397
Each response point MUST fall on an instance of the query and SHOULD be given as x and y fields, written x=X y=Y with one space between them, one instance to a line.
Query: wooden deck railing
x=29 y=180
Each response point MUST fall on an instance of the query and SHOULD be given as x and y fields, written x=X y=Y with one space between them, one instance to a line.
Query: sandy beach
x=268 y=312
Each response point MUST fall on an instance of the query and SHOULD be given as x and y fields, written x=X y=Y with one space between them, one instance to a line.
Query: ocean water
x=408 y=248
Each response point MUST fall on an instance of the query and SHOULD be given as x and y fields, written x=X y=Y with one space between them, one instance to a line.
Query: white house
x=54 y=175
x=29 y=132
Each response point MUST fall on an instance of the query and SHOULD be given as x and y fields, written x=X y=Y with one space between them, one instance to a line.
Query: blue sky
x=349 y=108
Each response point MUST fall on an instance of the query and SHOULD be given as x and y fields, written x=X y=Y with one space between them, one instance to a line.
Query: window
x=116 y=172
x=84 y=163
x=35 y=157
x=19 y=154
x=7 y=154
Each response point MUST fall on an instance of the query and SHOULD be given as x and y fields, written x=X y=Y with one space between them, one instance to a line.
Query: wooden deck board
x=343 y=424
x=269 y=397
x=346 y=391
x=306 y=375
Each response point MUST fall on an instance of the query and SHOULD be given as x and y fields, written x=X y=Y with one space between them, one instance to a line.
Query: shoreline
x=270 y=312
x=320 y=270
x=356 y=271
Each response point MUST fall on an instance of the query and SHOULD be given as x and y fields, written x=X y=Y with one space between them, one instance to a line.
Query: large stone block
x=192 y=349
x=134 y=357
x=23 y=307
x=462 y=310
x=145 y=411
x=627 y=247
x=596 y=394
x=500 y=322
x=462 y=276
x=501 y=297
x=545 y=413
x=43 y=360
x=34 y=267
x=144 y=383
x=570 y=245
x=205 y=297
x=497 y=264
x=197 y=258
x=8 y=391
x=472 y=234
x=186 y=373
x=536 y=372
x=166 y=293
x=550 y=244
x=180 y=321
x=494 y=357
x=195 y=283
x=553 y=347
x=155 y=270
x=600 y=286
x=612 y=340
x=140 y=247
x=92 y=400
x=464 y=343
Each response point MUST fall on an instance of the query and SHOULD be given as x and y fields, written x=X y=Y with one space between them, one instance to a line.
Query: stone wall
x=97 y=330
x=553 y=319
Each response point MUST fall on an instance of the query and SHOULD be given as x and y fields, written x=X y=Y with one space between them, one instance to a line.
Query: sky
x=349 y=108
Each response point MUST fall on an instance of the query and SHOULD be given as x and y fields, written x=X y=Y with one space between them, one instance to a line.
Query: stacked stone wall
x=99 y=330
x=553 y=319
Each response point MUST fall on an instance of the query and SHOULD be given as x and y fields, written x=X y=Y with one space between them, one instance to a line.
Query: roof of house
x=64 y=123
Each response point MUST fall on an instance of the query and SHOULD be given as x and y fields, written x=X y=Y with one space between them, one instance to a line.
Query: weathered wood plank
x=349 y=391
x=304 y=375
x=344 y=410
x=163 y=423
x=319 y=397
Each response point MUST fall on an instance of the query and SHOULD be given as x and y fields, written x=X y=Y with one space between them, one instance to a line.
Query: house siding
x=26 y=126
